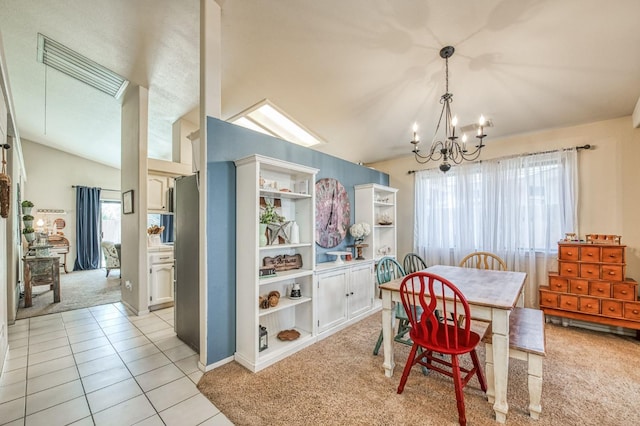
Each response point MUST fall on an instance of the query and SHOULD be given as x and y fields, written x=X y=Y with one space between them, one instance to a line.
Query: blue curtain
x=87 y=228
x=166 y=220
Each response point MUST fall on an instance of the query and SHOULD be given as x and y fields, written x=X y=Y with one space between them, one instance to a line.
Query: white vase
x=26 y=210
x=295 y=233
x=263 y=235
x=30 y=236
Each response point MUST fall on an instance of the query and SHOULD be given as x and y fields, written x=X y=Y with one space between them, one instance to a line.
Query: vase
x=26 y=210
x=263 y=235
x=30 y=236
x=28 y=223
x=295 y=233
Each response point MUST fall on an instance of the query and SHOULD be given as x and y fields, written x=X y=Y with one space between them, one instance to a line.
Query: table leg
x=500 y=340
x=387 y=332
x=65 y=264
x=56 y=281
x=27 y=287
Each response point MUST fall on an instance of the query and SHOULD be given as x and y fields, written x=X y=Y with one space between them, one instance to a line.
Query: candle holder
x=358 y=250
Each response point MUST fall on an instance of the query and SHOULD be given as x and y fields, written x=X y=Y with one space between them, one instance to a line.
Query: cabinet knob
x=347 y=294
x=588 y=305
x=600 y=290
x=589 y=272
x=569 y=269
x=569 y=253
x=611 y=308
x=568 y=303
x=579 y=287
x=351 y=293
x=590 y=254
x=611 y=273
x=635 y=311
x=624 y=292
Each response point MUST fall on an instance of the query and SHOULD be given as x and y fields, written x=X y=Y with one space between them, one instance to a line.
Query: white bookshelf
x=376 y=204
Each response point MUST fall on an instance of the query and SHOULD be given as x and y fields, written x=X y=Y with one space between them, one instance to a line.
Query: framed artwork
x=332 y=212
x=127 y=202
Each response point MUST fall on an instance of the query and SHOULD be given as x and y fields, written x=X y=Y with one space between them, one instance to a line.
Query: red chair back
x=431 y=330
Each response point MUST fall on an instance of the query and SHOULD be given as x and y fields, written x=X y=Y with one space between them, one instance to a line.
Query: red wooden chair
x=422 y=294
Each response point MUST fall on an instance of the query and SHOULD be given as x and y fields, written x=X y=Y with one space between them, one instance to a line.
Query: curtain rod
x=577 y=148
x=102 y=189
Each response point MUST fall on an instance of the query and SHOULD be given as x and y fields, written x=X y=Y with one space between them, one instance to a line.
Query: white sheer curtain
x=517 y=208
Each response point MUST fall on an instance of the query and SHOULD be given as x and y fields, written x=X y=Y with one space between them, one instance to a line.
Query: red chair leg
x=407 y=367
x=457 y=381
x=479 y=373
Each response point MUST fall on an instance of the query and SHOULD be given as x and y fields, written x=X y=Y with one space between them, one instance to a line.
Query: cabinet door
x=161 y=283
x=157 y=192
x=360 y=290
x=332 y=299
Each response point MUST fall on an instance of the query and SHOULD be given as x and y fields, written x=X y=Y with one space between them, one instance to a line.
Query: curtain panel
x=87 y=228
x=517 y=208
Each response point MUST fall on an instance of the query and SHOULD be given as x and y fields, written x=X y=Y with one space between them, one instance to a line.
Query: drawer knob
x=589 y=272
x=569 y=269
x=568 y=303
x=588 y=305
x=590 y=254
x=611 y=273
x=569 y=253
x=624 y=292
x=600 y=290
x=635 y=311
x=579 y=287
x=611 y=309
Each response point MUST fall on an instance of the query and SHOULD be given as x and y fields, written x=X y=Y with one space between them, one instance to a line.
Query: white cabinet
x=290 y=187
x=376 y=205
x=157 y=193
x=161 y=275
x=344 y=294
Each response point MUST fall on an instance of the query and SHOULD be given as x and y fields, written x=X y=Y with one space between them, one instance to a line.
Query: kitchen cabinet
x=158 y=193
x=161 y=276
x=344 y=294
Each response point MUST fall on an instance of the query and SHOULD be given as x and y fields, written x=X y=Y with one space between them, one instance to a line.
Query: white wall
x=609 y=177
x=51 y=175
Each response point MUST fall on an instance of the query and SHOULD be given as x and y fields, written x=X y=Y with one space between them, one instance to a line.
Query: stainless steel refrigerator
x=187 y=290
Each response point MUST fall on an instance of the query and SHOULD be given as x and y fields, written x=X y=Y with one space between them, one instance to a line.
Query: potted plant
x=27 y=219
x=29 y=234
x=26 y=207
x=268 y=214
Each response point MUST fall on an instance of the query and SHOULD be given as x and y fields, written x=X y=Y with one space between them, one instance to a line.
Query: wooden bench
x=527 y=343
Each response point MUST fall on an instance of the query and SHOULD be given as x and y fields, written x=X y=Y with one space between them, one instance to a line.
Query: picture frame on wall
x=127 y=202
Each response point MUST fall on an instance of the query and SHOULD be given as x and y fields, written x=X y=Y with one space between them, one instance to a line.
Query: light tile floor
x=102 y=366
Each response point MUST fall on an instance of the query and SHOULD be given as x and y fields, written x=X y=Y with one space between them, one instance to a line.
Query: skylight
x=267 y=118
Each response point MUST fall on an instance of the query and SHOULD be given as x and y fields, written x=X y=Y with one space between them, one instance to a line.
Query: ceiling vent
x=73 y=64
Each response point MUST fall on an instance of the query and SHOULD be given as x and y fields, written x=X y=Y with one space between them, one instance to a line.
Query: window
x=516 y=208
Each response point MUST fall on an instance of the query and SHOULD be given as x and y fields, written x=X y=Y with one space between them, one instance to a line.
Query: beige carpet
x=79 y=289
x=590 y=378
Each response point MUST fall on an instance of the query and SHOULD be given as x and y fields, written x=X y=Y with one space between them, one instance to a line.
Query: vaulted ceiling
x=357 y=72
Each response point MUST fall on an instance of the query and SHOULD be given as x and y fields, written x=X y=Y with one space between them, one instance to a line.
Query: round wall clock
x=332 y=212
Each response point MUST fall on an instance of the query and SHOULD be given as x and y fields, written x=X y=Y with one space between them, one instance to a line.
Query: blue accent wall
x=225 y=144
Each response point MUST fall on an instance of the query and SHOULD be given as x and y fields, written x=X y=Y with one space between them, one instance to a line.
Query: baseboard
x=132 y=309
x=215 y=364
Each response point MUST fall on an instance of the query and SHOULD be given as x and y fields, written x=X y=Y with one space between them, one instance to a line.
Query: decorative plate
x=332 y=212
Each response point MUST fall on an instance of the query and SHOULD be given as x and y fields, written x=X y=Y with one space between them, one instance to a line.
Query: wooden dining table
x=491 y=296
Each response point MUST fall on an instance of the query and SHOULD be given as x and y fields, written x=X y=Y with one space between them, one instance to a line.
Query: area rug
x=590 y=378
x=78 y=289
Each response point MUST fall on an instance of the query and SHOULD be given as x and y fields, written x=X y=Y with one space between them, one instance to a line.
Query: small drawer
x=600 y=288
x=568 y=253
x=632 y=310
x=568 y=269
x=160 y=258
x=568 y=302
x=590 y=270
x=590 y=254
x=624 y=291
x=548 y=299
x=613 y=254
x=612 y=308
x=579 y=286
x=590 y=305
x=613 y=272
x=558 y=284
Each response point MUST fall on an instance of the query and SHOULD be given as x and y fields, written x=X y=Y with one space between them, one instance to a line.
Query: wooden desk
x=491 y=296
x=60 y=245
x=41 y=271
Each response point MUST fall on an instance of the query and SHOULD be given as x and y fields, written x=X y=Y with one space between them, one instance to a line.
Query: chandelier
x=449 y=149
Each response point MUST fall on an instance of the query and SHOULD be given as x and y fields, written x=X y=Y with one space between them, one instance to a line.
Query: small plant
x=27 y=217
x=28 y=230
x=27 y=203
x=270 y=215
